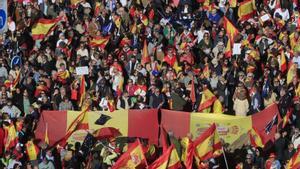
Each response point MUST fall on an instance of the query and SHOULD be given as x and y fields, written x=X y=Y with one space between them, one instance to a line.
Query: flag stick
x=225 y=158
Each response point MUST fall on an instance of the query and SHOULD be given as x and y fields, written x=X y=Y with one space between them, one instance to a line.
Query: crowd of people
x=158 y=52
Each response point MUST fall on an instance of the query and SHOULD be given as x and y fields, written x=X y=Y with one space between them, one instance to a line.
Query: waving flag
x=256 y=139
x=164 y=139
x=145 y=54
x=97 y=9
x=10 y=137
x=232 y=3
x=283 y=65
x=174 y=160
x=246 y=10
x=192 y=93
x=207 y=99
x=162 y=161
x=32 y=150
x=187 y=152
x=208 y=144
x=228 y=52
x=231 y=30
x=286 y=118
x=99 y=41
x=271 y=124
x=133 y=158
x=294 y=162
x=292 y=73
x=82 y=91
x=43 y=27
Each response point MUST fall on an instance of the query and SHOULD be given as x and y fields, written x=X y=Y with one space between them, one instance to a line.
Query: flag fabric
x=271 y=124
x=286 y=118
x=162 y=161
x=256 y=139
x=46 y=140
x=208 y=144
x=133 y=29
x=233 y=129
x=174 y=160
x=133 y=158
x=99 y=42
x=145 y=55
x=283 y=65
x=111 y=105
x=97 y=9
x=187 y=152
x=192 y=93
x=17 y=79
x=292 y=73
x=164 y=139
x=62 y=76
x=43 y=27
x=246 y=10
x=39 y=89
x=144 y=20
x=10 y=137
x=228 y=52
x=117 y=21
x=32 y=150
x=232 y=3
x=207 y=99
x=131 y=123
x=231 y=30
x=217 y=107
x=88 y=143
x=102 y=119
x=82 y=90
x=294 y=162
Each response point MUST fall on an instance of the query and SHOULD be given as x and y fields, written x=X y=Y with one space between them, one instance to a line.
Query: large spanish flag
x=231 y=30
x=133 y=158
x=246 y=10
x=232 y=129
x=256 y=139
x=100 y=41
x=294 y=162
x=42 y=28
x=132 y=123
x=208 y=144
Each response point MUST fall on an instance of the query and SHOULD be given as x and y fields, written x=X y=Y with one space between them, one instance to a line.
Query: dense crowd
x=185 y=43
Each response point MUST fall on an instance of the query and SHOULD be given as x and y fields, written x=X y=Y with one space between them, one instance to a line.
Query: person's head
x=249 y=158
x=277 y=136
x=291 y=146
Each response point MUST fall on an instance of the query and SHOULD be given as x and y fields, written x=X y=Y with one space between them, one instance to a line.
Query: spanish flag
x=292 y=73
x=208 y=144
x=144 y=20
x=39 y=89
x=133 y=29
x=187 y=152
x=283 y=66
x=294 y=162
x=75 y=2
x=82 y=90
x=256 y=139
x=32 y=150
x=246 y=10
x=97 y=9
x=162 y=161
x=286 y=118
x=10 y=137
x=207 y=99
x=228 y=52
x=174 y=160
x=117 y=21
x=133 y=158
x=217 y=107
x=99 y=41
x=111 y=105
x=46 y=140
x=164 y=139
x=62 y=76
x=43 y=27
x=231 y=30
x=206 y=71
x=145 y=55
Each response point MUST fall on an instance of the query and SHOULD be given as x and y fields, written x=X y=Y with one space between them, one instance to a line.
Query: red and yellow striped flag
x=231 y=30
x=206 y=71
x=286 y=118
x=62 y=76
x=246 y=10
x=228 y=52
x=232 y=3
x=133 y=158
x=111 y=105
x=99 y=41
x=294 y=162
x=292 y=73
x=174 y=160
x=17 y=79
x=117 y=21
x=145 y=55
x=43 y=27
x=82 y=91
x=207 y=99
x=217 y=107
x=32 y=150
x=97 y=9
x=144 y=20
x=208 y=144
x=11 y=137
x=46 y=140
x=283 y=65
x=256 y=139
x=162 y=161
x=187 y=152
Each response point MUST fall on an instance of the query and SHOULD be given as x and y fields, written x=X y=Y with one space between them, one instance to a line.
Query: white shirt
x=296 y=60
x=284 y=14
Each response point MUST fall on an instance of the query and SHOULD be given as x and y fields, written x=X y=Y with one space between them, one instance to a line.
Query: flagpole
x=225 y=159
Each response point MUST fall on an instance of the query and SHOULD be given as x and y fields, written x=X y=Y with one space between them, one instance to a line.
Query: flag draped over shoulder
x=99 y=41
x=246 y=10
x=231 y=30
x=208 y=144
x=207 y=99
x=133 y=158
x=256 y=139
x=294 y=162
x=43 y=27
